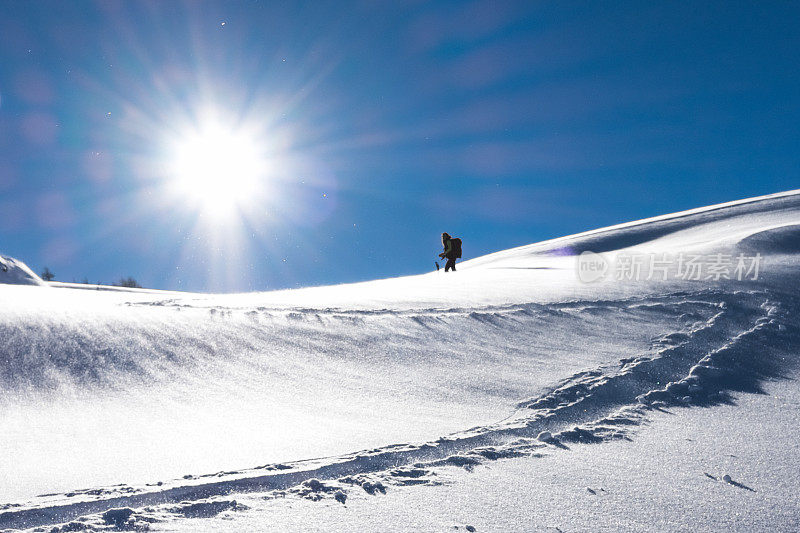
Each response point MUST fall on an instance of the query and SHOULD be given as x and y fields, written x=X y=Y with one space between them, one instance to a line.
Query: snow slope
x=13 y=272
x=219 y=411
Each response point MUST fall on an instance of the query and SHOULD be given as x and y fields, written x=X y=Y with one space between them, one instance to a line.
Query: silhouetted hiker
x=452 y=251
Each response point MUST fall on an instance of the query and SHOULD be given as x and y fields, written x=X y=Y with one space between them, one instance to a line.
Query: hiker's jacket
x=448 y=249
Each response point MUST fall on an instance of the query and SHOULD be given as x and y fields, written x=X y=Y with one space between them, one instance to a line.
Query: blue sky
x=381 y=125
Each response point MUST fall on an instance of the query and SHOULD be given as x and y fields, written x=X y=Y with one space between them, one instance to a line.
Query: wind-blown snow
x=200 y=403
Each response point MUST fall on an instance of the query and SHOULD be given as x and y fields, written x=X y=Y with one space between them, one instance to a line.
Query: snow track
x=700 y=364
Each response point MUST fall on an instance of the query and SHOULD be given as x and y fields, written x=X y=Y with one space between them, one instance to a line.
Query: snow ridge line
x=294 y=312
x=636 y=232
x=597 y=399
x=46 y=355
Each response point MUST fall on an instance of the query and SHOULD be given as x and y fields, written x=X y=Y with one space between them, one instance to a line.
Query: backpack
x=456 y=242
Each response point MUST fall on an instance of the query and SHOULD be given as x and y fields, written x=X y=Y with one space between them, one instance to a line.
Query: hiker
x=452 y=251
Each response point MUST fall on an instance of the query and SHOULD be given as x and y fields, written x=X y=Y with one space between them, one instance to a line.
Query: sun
x=217 y=168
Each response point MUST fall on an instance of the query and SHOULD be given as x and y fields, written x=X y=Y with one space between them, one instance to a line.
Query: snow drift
x=188 y=399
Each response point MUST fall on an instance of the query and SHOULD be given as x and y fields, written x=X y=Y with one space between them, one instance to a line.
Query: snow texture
x=348 y=395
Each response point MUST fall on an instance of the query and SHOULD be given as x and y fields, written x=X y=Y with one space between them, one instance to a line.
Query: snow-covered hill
x=13 y=272
x=427 y=402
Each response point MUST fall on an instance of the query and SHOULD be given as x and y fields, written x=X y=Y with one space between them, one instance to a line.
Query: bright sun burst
x=219 y=169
